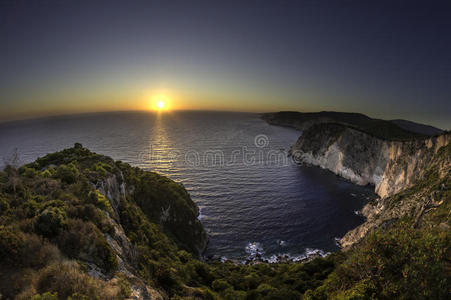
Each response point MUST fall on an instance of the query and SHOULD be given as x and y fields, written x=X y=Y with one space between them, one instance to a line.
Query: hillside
x=417 y=127
x=78 y=225
x=387 y=130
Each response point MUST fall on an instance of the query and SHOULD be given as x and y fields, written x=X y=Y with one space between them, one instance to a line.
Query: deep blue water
x=234 y=165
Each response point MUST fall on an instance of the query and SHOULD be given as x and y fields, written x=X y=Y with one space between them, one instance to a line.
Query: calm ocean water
x=235 y=166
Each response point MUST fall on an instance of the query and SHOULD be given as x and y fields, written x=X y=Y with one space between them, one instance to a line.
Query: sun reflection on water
x=161 y=147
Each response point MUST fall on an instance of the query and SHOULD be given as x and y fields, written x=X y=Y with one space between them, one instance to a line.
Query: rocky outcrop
x=178 y=214
x=349 y=153
x=170 y=206
x=430 y=190
x=408 y=161
x=391 y=166
x=115 y=189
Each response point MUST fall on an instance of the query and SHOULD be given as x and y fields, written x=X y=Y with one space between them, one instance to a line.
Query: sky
x=387 y=59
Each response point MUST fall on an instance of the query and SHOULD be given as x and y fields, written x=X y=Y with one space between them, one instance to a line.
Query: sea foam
x=256 y=253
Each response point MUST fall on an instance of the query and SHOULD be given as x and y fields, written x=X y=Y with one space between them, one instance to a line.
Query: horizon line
x=62 y=115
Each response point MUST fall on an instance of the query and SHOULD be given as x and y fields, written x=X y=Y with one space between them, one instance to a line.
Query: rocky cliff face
x=175 y=213
x=412 y=177
x=346 y=152
x=391 y=166
x=425 y=203
x=408 y=161
x=169 y=205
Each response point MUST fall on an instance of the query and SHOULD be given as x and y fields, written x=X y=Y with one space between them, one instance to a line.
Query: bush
x=67 y=280
x=78 y=296
x=108 y=260
x=283 y=294
x=101 y=169
x=184 y=256
x=83 y=239
x=99 y=200
x=4 y=206
x=166 y=277
x=28 y=172
x=30 y=208
x=49 y=172
x=11 y=245
x=231 y=294
x=50 y=222
x=67 y=173
x=37 y=253
x=45 y=296
x=220 y=285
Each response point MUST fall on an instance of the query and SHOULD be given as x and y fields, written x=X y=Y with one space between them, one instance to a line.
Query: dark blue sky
x=388 y=59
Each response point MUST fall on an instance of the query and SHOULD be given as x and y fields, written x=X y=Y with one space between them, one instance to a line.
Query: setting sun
x=161 y=102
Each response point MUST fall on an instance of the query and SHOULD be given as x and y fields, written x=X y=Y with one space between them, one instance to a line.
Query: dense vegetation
x=58 y=228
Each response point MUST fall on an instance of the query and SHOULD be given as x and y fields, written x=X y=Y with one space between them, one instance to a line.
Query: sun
x=160 y=104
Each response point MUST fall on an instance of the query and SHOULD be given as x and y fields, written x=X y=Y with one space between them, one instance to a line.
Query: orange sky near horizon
x=64 y=102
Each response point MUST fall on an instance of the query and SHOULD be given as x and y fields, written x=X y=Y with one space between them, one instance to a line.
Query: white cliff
x=390 y=166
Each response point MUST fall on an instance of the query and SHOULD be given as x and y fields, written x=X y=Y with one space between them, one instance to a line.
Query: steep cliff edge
x=390 y=166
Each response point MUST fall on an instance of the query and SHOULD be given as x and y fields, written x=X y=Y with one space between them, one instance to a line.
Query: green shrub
x=48 y=173
x=11 y=245
x=30 y=208
x=67 y=173
x=184 y=256
x=50 y=222
x=220 y=285
x=45 y=296
x=84 y=240
x=253 y=280
x=28 y=172
x=107 y=258
x=231 y=294
x=166 y=277
x=283 y=294
x=78 y=296
x=53 y=203
x=4 y=206
x=125 y=290
x=99 y=200
x=101 y=169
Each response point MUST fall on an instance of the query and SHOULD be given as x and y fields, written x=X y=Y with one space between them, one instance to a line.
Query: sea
x=254 y=200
